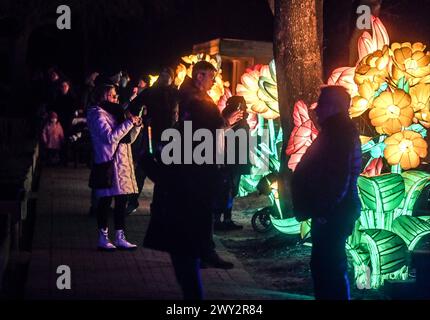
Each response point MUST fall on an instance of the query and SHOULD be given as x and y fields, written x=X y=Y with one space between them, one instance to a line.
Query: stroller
x=268 y=186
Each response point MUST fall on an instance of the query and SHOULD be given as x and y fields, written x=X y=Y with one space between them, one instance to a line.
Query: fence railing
x=19 y=158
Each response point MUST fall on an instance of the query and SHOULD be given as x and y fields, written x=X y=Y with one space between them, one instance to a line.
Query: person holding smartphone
x=112 y=133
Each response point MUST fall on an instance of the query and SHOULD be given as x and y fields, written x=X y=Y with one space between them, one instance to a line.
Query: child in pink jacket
x=53 y=138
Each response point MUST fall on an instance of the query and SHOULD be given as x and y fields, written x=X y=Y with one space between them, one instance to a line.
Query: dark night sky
x=140 y=48
x=143 y=44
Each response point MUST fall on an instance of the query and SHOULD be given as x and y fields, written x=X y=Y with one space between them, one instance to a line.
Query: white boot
x=104 y=242
x=121 y=242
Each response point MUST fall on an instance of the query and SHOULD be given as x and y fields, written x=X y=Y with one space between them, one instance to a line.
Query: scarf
x=118 y=113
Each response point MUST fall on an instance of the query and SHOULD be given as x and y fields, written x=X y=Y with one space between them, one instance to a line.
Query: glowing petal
x=302 y=135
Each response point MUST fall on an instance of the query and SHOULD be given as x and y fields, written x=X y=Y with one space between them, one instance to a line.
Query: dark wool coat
x=181 y=217
x=324 y=183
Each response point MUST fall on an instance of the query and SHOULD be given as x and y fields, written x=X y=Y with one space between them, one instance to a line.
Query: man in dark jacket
x=324 y=188
x=161 y=104
x=183 y=225
x=198 y=107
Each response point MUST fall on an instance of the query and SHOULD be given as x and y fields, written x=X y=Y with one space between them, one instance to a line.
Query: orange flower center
x=393 y=111
x=406 y=146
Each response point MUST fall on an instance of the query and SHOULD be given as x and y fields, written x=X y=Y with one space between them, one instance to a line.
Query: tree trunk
x=297 y=46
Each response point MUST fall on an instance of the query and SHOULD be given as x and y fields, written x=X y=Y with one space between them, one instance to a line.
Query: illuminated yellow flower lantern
x=364 y=99
x=217 y=90
x=367 y=45
x=392 y=111
x=420 y=97
x=411 y=62
x=423 y=117
x=405 y=148
x=248 y=88
x=421 y=103
x=152 y=79
x=259 y=89
x=374 y=67
x=268 y=90
x=181 y=73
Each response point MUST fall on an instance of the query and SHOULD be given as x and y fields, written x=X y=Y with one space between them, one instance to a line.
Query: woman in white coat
x=112 y=133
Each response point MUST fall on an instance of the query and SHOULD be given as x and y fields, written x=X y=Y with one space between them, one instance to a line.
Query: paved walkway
x=66 y=235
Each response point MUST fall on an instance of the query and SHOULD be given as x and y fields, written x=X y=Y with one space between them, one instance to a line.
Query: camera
x=233 y=104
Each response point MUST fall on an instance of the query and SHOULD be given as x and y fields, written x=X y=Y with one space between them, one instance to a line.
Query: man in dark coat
x=324 y=188
x=183 y=225
x=161 y=105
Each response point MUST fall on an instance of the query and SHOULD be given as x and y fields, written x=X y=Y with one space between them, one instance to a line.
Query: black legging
x=103 y=208
x=187 y=271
